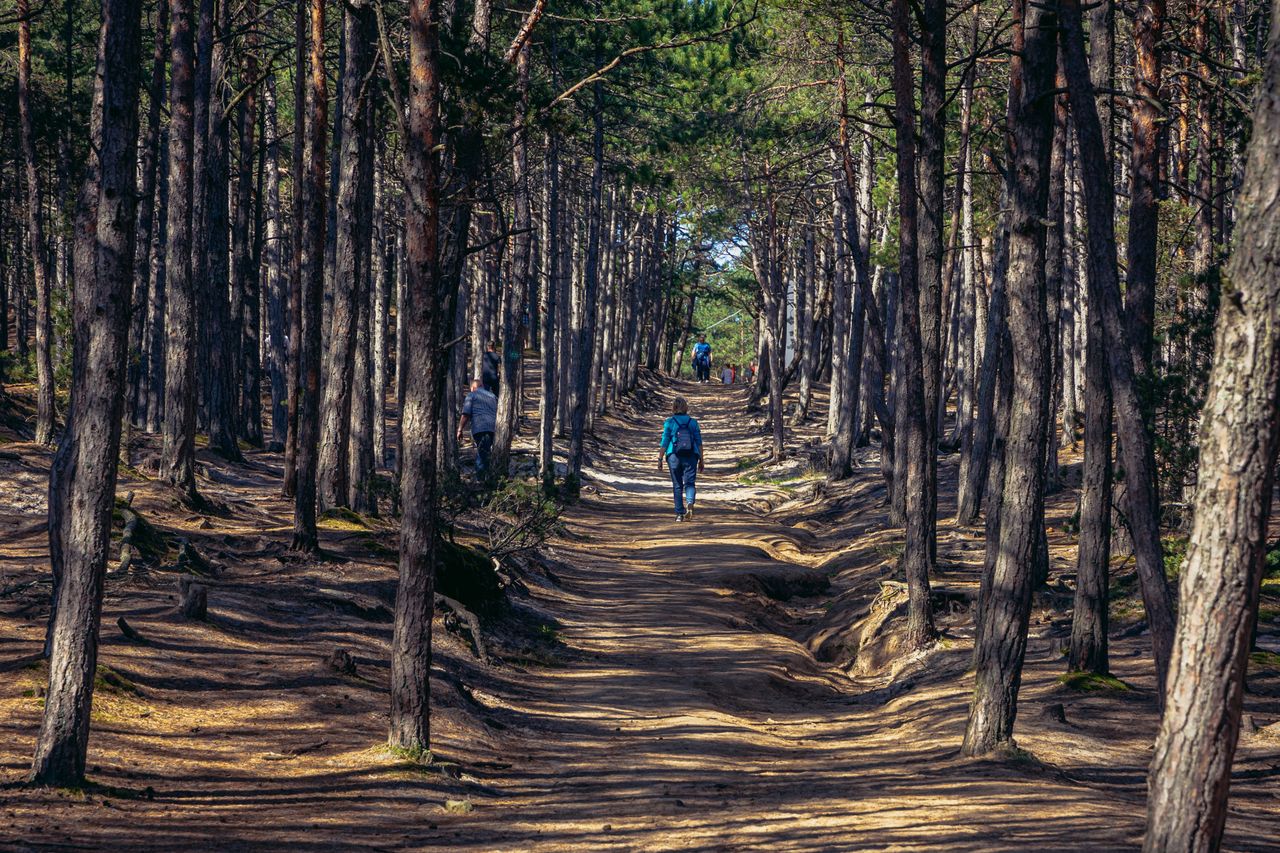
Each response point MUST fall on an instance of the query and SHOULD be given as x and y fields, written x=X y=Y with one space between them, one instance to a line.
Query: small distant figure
x=726 y=375
x=489 y=368
x=682 y=454
x=480 y=412
x=702 y=359
x=749 y=375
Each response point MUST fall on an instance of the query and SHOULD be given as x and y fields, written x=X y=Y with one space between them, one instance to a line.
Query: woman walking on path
x=682 y=453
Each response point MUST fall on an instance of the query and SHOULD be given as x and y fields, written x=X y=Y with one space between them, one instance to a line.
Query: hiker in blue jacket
x=682 y=454
x=702 y=359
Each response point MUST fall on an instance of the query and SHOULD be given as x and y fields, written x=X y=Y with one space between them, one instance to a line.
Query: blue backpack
x=684 y=435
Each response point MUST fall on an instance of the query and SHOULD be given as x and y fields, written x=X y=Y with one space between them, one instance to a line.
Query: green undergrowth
x=1091 y=682
x=108 y=680
x=1264 y=659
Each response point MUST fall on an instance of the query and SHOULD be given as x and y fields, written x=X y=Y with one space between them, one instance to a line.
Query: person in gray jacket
x=480 y=412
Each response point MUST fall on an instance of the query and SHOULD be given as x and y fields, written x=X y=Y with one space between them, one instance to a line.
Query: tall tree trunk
x=550 y=313
x=335 y=408
x=912 y=419
x=305 y=538
x=1089 y=648
x=591 y=280
x=361 y=496
x=277 y=279
x=246 y=256
x=82 y=485
x=932 y=170
x=155 y=338
x=1191 y=769
x=210 y=243
x=1001 y=641
x=1146 y=122
x=1123 y=359
x=147 y=207
x=297 y=202
x=177 y=460
x=428 y=314
x=35 y=236
x=517 y=292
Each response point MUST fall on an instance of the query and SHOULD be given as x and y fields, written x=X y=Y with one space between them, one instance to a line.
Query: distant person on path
x=489 y=368
x=682 y=454
x=480 y=411
x=702 y=359
x=726 y=375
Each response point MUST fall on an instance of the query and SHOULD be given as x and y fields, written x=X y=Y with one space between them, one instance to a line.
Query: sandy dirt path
x=682 y=710
x=687 y=726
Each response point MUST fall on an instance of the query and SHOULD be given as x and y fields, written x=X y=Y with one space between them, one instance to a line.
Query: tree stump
x=340 y=660
x=193 y=599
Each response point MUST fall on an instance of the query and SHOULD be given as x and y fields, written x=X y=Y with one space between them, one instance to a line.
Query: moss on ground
x=1091 y=682
x=343 y=520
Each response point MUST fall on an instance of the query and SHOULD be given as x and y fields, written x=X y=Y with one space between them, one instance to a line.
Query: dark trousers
x=684 y=475
x=702 y=369
x=484 y=446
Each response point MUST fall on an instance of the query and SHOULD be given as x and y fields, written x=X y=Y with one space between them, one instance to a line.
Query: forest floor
x=677 y=686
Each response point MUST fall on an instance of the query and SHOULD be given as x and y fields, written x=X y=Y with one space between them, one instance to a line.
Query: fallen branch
x=129 y=631
x=293 y=753
x=127 y=549
x=473 y=624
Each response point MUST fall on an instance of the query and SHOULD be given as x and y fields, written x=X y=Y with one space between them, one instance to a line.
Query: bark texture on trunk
x=1000 y=645
x=910 y=431
x=427 y=315
x=1141 y=504
x=177 y=460
x=350 y=253
x=1191 y=770
x=82 y=484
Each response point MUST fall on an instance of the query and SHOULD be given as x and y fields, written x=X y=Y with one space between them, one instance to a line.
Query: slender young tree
x=37 y=248
x=82 y=484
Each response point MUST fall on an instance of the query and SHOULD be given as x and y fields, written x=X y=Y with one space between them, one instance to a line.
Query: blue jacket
x=669 y=434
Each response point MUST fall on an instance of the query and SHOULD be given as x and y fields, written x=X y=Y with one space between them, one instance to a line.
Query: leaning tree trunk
x=1135 y=442
x=177 y=459
x=84 y=490
x=1089 y=619
x=305 y=536
x=1191 y=770
x=35 y=236
x=428 y=314
x=1089 y=648
x=1000 y=645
